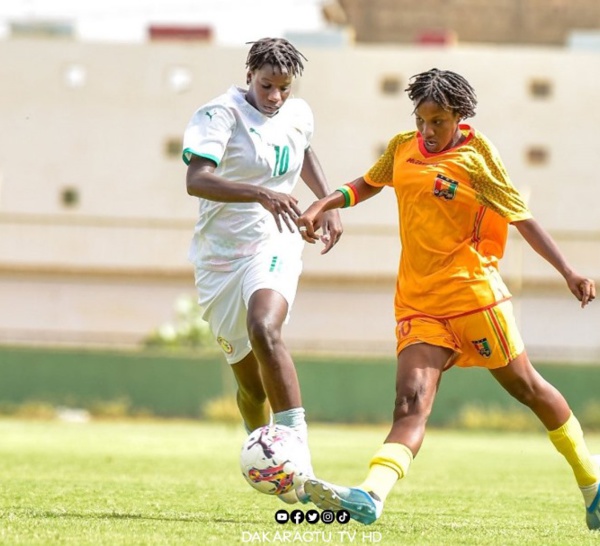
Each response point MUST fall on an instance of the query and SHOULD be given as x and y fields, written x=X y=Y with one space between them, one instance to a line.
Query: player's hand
x=309 y=223
x=282 y=206
x=332 y=229
x=583 y=289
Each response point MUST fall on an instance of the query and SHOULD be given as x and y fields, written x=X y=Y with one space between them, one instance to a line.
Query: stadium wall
x=181 y=386
x=95 y=220
x=492 y=21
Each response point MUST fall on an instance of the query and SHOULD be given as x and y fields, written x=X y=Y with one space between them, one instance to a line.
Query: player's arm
x=347 y=195
x=201 y=181
x=313 y=176
x=540 y=240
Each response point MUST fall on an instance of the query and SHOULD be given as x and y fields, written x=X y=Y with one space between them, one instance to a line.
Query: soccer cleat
x=363 y=506
x=592 y=512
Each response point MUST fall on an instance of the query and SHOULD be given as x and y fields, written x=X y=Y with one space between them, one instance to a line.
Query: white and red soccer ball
x=273 y=460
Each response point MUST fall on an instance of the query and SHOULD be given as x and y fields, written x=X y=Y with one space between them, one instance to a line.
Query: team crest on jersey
x=225 y=345
x=482 y=347
x=444 y=187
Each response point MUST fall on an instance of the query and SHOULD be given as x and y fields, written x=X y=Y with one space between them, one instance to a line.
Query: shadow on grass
x=58 y=514
x=112 y=515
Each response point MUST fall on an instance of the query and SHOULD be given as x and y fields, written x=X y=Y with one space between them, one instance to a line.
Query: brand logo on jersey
x=211 y=114
x=482 y=347
x=225 y=345
x=415 y=161
x=253 y=130
x=444 y=187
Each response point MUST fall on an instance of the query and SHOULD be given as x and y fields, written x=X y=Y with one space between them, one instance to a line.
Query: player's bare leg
x=251 y=397
x=418 y=375
x=267 y=310
x=523 y=382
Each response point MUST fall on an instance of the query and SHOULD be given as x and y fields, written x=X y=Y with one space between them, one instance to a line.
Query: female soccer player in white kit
x=245 y=151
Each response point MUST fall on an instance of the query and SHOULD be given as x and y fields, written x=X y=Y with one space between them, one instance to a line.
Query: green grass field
x=178 y=483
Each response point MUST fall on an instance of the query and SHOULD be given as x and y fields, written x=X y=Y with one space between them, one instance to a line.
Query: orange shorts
x=488 y=338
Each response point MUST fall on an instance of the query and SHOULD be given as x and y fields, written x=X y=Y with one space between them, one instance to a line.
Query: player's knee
x=263 y=332
x=412 y=404
x=525 y=392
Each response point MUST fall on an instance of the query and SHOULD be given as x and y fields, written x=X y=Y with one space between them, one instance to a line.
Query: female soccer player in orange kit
x=455 y=203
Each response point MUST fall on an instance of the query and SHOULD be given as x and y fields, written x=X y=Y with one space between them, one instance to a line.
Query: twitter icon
x=312 y=516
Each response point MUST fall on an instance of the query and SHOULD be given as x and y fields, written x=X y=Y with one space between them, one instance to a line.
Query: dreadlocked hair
x=449 y=89
x=277 y=52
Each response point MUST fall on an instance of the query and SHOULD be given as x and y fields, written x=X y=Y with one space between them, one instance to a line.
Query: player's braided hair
x=277 y=52
x=449 y=89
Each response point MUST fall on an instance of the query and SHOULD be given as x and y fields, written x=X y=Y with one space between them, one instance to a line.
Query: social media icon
x=281 y=516
x=343 y=516
x=297 y=516
x=312 y=516
x=327 y=516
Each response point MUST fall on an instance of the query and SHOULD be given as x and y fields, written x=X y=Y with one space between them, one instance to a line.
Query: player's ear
x=248 y=77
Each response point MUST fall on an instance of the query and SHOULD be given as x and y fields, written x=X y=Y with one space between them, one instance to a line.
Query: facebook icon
x=297 y=516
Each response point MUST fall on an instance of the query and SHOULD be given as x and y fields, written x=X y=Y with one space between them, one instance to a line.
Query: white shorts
x=224 y=295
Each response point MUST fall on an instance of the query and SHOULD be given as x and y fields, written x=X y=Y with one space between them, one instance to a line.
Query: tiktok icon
x=343 y=517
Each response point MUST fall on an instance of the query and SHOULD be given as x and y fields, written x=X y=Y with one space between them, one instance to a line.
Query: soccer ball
x=273 y=460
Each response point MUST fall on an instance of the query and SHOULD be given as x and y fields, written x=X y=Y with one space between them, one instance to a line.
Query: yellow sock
x=388 y=465
x=569 y=441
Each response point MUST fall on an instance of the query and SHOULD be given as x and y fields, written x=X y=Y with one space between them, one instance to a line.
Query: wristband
x=350 y=195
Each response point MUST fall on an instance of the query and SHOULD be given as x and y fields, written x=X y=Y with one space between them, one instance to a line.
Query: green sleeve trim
x=188 y=153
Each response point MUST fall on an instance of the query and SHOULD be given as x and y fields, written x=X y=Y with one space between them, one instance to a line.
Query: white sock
x=589 y=493
x=295 y=419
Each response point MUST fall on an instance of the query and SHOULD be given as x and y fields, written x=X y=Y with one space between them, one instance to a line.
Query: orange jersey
x=454 y=208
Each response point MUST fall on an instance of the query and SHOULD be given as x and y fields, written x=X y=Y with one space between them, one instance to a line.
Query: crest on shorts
x=444 y=187
x=482 y=347
x=225 y=345
x=404 y=328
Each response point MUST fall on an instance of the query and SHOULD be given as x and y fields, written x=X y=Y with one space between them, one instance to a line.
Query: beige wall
x=489 y=21
x=98 y=118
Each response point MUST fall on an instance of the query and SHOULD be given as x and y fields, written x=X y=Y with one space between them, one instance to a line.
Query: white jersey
x=252 y=148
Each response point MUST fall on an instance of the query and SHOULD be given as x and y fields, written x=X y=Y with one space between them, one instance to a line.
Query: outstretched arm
x=314 y=178
x=539 y=239
x=312 y=218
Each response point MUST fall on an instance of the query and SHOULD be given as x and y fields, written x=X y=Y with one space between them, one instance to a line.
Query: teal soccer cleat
x=592 y=512
x=364 y=507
